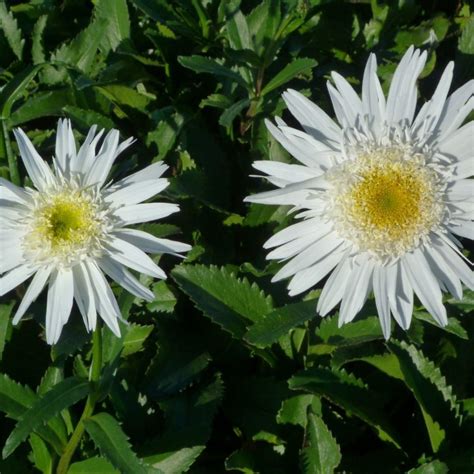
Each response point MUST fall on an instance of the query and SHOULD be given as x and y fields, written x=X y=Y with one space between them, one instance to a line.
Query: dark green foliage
x=223 y=371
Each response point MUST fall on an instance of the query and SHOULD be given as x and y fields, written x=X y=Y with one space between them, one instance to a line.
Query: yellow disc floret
x=65 y=226
x=385 y=201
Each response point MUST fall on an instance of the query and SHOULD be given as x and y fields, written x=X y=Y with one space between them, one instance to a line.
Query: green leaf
x=108 y=436
x=466 y=41
x=230 y=113
x=87 y=118
x=164 y=301
x=350 y=394
x=95 y=465
x=294 y=410
x=202 y=64
x=37 y=52
x=279 y=322
x=238 y=30
x=5 y=312
x=227 y=300
x=16 y=86
x=321 y=454
x=12 y=32
x=115 y=15
x=135 y=337
x=453 y=326
x=433 y=467
x=61 y=396
x=296 y=67
x=437 y=402
x=41 y=455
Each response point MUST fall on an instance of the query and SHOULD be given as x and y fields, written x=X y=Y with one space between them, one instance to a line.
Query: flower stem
x=94 y=376
x=12 y=164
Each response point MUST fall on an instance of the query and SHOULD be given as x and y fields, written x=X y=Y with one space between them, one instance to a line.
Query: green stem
x=12 y=164
x=94 y=377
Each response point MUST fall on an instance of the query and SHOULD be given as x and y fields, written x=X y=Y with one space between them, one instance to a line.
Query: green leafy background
x=223 y=371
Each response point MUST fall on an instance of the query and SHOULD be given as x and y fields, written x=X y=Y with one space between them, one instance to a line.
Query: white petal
x=37 y=169
x=136 y=192
x=138 y=213
x=381 y=299
x=85 y=157
x=443 y=271
x=309 y=277
x=124 y=278
x=425 y=285
x=322 y=247
x=293 y=232
x=153 y=171
x=132 y=257
x=335 y=286
x=105 y=301
x=313 y=119
x=463 y=169
x=59 y=303
x=10 y=192
x=11 y=258
x=400 y=294
x=36 y=286
x=357 y=289
x=287 y=173
x=463 y=228
x=460 y=144
x=373 y=100
x=461 y=190
x=151 y=244
x=15 y=277
x=349 y=97
x=65 y=145
x=84 y=296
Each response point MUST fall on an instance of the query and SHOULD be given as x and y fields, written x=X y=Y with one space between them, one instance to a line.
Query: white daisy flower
x=73 y=228
x=380 y=195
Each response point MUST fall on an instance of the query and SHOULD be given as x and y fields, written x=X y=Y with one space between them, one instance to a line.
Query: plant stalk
x=12 y=164
x=94 y=376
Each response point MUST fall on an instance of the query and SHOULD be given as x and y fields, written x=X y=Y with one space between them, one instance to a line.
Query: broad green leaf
x=113 y=443
x=135 y=338
x=321 y=454
x=437 y=402
x=124 y=95
x=61 y=396
x=279 y=322
x=227 y=300
x=13 y=34
x=95 y=465
x=115 y=15
x=296 y=67
x=294 y=410
x=5 y=312
x=42 y=104
x=202 y=64
x=87 y=118
x=238 y=30
x=350 y=394
x=453 y=326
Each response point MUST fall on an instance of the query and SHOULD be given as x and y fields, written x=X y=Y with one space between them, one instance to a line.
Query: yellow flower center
x=386 y=202
x=65 y=227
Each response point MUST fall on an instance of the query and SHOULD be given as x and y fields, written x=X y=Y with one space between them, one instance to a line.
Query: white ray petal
x=34 y=289
x=400 y=294
x=39 y=172
x=65 y=151
x=14 y=277
x=381 y=299
x=153 y=171
x=59 y=303
x=84 y=296
x=136 y=193
x=138 y=213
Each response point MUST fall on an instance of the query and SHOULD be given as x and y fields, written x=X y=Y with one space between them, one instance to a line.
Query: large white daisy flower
x=73 y=228
x=381 y=195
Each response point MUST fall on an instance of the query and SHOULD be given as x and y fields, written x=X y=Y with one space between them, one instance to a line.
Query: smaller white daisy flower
x=381 y=194
x=73 y=228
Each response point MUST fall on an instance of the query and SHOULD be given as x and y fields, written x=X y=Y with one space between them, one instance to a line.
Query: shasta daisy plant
x=381 y=196
x=73 y=227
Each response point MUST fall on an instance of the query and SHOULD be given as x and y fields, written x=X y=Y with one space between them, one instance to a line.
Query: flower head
x=74 y=226
x=380 y=195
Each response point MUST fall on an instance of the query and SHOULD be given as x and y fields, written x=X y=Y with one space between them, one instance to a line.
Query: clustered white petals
x=72 y=227
x=380 y=195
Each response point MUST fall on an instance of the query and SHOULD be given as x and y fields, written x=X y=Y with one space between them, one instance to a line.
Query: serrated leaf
x=41 y=455
x=227 y=300
x=94 y=465
x=435 y=397
x=433 y=467
x=37 y=53
x=108 y=436
x=231 y=112
x=12 y=32
x=294 y=410
x=279 y=322
x=321 y=454
x=164 y=301
x=61 y=396
x=201 y=64
x=350 y=394
x=117 y=29
x=296 y=67
x=466 y=41
x=453 y=326
x=134 y=338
